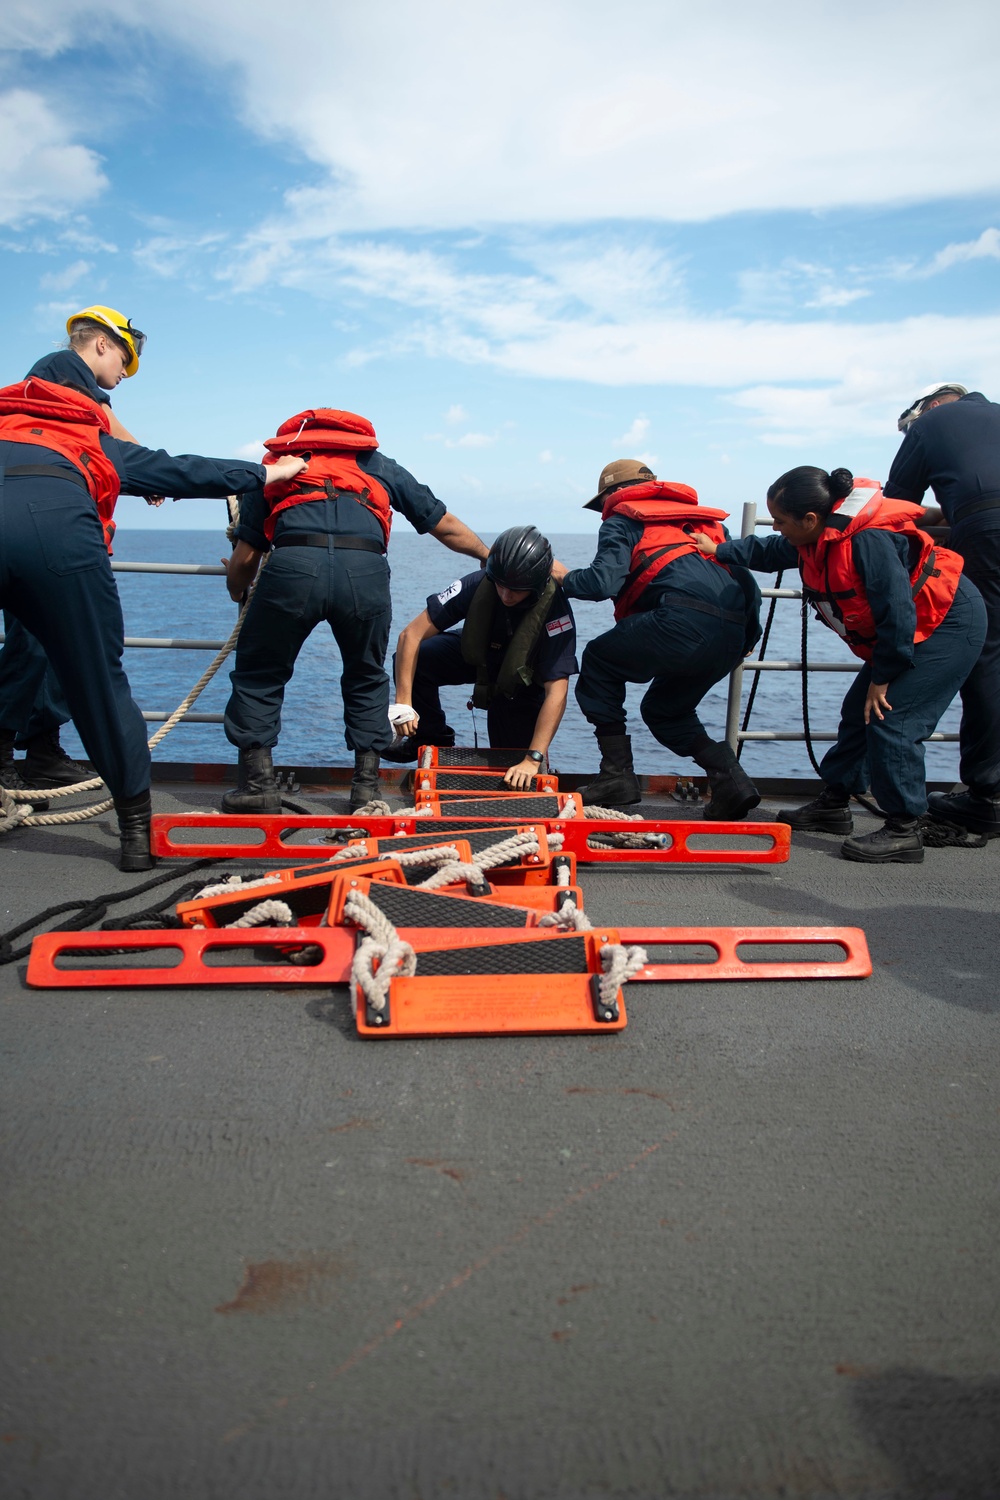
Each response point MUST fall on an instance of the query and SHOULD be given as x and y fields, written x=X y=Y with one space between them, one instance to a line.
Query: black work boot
x=134 y=814
x=830 y=812
x=47 y=764
x=973 y=810
x=10 y=773
x=899 y=841
x=733 y=793
x=617 y=785
x=365 y=786
x=256 y=789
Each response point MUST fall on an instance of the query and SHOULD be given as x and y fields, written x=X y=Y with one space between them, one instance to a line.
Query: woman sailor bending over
x=901 y=604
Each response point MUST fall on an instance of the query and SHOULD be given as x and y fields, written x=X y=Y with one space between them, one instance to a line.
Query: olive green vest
x=515 y=672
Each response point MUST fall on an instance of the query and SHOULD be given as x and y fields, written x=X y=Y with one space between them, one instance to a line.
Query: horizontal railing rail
x=734 y=734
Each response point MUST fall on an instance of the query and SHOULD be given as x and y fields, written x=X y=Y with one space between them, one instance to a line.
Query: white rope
x=374 y=809
x=562 y=875
x=381 y=942
x=83 y=814
x=11 y=812
x=265 y=914
x=507 y=851
x=427 y=758
x=236 y=883
x=618 y=960
x=623 y=840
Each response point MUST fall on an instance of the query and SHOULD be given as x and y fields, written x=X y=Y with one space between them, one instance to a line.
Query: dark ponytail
x=806 y=489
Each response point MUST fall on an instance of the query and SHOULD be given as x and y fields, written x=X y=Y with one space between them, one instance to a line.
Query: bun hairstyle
x=807 y=490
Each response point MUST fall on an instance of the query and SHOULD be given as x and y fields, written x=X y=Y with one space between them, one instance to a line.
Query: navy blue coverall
x=510 y=722
x=923 y=679
x=312 y=576
x=31 y=700
x=694 y=624
x=56 y=578
x=954 y=449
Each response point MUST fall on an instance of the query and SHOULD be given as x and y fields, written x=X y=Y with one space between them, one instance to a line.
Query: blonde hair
x=85 y=330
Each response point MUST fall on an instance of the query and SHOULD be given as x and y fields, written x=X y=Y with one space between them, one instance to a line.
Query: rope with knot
x=618 y=960
x=381 y=942
x=507 y=851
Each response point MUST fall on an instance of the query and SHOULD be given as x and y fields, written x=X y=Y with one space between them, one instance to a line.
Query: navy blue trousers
x=979 y=735
x=299 y=588
x=56 y=578
x=685 y=653
x=894 y=746
x=510 y=722
x=31 y=700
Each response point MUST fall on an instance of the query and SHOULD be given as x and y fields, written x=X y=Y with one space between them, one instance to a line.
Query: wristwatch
x=536 y=755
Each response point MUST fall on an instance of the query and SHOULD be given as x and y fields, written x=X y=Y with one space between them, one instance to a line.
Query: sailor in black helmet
x=517 y=645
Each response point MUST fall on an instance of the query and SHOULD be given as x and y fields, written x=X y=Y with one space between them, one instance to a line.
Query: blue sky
x=523 y=239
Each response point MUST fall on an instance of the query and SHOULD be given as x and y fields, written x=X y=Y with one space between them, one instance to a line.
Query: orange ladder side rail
x=264 y=836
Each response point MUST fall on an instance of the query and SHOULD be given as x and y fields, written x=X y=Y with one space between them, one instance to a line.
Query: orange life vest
x=669 y=513
x=330 y=440
x=69 y=423
x=831 y=583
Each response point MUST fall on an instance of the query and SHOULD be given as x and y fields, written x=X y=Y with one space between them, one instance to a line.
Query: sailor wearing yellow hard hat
x=104 y=349
x=62 y=467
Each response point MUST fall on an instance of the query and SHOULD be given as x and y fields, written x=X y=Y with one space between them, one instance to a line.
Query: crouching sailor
x=517 y=644
x=682 y=627
x=61 y=472
x=904 y=607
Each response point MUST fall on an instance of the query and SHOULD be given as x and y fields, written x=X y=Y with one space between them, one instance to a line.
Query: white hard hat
x=939 y=388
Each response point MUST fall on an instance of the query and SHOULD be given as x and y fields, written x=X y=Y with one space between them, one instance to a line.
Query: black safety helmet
x=520 y=558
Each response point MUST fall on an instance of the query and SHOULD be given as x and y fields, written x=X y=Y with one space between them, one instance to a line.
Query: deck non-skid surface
x=747 y=1247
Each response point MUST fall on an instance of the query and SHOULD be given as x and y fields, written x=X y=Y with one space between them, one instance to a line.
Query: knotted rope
x=381 y=942
x=618 y=960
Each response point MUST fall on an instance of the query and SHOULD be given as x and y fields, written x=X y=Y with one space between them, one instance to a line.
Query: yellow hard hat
x=120 y=326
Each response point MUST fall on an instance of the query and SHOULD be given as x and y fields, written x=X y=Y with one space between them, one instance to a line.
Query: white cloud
x=712 y=111
x=472 y=440
x=456 y=413
x=545 y=457
x=253 y=451
x=832 y=296
x=44 y=174
x=635 y=434
x=66 y=279
x=986 y=247
x=170 y=254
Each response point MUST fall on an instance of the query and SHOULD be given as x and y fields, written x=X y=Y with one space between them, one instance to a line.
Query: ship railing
x=734 y=734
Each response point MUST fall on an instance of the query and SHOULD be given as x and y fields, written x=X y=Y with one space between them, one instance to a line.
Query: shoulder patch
x=560 y=626
x=450 y=591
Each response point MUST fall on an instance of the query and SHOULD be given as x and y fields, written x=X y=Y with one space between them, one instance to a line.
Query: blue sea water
x=313 y=728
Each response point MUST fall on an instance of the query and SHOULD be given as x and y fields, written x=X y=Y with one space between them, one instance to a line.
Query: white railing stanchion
x=736 y=676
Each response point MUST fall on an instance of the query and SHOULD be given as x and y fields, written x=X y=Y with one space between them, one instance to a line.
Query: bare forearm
x=455 y=535
x=407 y=652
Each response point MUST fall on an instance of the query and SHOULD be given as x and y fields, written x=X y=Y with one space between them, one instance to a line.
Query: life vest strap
x=644 y=560
x=47 y=471
x=731 y=616
x=324 y=540
x=929 y=570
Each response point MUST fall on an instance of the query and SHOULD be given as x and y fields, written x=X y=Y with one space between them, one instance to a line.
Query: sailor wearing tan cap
x=683 y=623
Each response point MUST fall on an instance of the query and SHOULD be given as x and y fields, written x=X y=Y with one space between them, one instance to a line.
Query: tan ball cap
x=622 y=471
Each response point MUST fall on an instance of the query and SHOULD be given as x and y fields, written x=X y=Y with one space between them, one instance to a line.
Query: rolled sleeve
x=414 y=501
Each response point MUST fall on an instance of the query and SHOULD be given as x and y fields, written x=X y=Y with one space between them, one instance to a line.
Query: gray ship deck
x=748 y=1247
